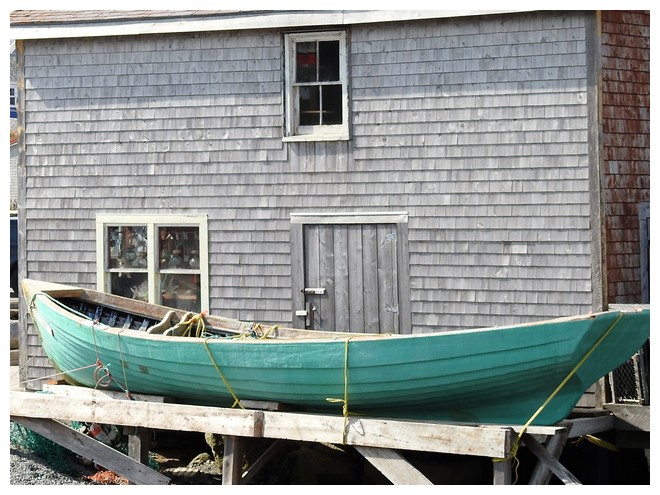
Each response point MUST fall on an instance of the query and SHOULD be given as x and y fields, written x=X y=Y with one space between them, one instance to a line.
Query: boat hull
x=496 y=375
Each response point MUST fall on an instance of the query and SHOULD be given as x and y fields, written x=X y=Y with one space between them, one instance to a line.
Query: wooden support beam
x=478 y=440
x=94 y=450
x=553 y=464
x=394 y=466
x=232 y=460
x=272 y=450
x=139 y=440
x=501 y=471
x=555 y=445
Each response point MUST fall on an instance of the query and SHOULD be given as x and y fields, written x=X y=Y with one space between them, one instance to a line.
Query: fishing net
x=26 y=440
x=58 y=457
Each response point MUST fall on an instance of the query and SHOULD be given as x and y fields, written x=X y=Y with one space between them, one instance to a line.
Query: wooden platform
x=378 y=440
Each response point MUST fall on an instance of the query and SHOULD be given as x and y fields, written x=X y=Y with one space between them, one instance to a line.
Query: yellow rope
x=516 y=443
x=344 y=401
x=599 y=442
x=231 y=391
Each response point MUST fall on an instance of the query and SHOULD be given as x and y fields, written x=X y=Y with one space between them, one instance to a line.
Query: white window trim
x=293 y=131
x=152 y=222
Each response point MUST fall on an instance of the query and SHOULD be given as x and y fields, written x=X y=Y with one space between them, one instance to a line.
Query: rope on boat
x=256 y=331
x=344 y=401
x=237 y=402
x=516 y=444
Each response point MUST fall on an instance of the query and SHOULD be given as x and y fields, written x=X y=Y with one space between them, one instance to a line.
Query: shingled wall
x=626 y=146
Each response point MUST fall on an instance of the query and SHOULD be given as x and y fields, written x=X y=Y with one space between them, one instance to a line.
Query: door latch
x=314 y=290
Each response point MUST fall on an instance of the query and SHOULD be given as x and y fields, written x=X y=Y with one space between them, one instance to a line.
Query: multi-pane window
x=317 y=89
x=161 y=260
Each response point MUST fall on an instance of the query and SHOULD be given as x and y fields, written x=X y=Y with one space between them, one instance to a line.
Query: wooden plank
x=370 y=274
x=297 y=274
x=550 y=462
x=394 y=466
x=94 y=450
x=135 y=413
x=355 y=279
x=341 y=277
x=631 y=416
x=488 y=441
x=588 y=426
x=83 y=392
x=326 y=278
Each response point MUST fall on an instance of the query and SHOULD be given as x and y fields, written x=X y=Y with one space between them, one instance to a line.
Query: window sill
x=315 y=137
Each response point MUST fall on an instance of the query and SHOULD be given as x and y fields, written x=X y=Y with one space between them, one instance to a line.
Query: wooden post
x=139 y=440
x=232 y=461
x=502 y=472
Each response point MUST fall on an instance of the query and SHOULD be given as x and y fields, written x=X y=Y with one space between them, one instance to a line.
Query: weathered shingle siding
x=626 y=146
x=477 y=128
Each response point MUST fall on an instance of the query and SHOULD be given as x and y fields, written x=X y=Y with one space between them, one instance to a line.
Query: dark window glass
x=309 y=103
x=306 y=62
x=331 y=104
x=329 y=61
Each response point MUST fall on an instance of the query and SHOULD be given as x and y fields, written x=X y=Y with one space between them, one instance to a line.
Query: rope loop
x=102 y=375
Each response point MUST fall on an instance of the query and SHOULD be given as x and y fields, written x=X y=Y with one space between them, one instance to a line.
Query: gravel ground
x=26 y=468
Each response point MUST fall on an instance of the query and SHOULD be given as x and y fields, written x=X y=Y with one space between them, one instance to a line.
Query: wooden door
x=349 y=278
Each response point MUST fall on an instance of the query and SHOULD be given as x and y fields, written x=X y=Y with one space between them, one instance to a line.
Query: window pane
x=306 y=62
x=131 y=285
x=127 y=247
x=181 y=291
x=309 y=104
x=329 y=61
x=178 y=247
x=332 y=105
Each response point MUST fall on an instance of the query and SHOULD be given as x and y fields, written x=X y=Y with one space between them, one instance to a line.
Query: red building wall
x=625 y=46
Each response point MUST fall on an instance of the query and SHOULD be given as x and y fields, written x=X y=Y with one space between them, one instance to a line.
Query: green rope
x=237 y=402
x=344 y=401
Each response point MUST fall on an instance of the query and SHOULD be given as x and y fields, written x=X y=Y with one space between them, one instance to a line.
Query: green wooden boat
x=499 y=375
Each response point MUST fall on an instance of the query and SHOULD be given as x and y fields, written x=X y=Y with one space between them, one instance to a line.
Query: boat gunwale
x=236 y=335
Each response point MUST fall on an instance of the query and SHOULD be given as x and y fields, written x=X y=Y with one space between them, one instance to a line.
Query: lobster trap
x=630 y=382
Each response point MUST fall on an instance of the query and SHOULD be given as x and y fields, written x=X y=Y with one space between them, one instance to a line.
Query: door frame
x=399 y=219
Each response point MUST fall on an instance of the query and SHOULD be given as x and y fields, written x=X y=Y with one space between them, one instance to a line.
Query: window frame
x=293 y=131
x=153 y=270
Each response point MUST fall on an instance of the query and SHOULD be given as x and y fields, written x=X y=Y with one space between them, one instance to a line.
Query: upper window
x=161 y=260
x=316 y=86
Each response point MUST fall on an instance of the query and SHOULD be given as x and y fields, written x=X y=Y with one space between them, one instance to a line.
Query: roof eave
x=244 y=21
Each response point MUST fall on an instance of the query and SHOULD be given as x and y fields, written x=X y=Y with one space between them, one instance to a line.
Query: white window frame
x=152 y=222
x=293 y=130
